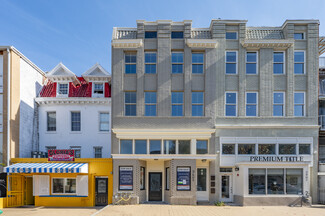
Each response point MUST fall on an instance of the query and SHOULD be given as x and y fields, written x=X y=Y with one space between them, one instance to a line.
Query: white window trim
x=58 y=87
x=130 y=104
x=251 y=104
x=64 y=181
x=232 y=32
x=304 y=51
x=171 y=60
x=203 y=63
x=231 y=104
x=71 y=131
x=149 y=104
x=304 y=107
x=56 y=128
x=96 y=95
x=99 y=121
x=300 y=32
x=76 y=148
x=236 y=51
x=150 y=62
x=284 y=62
x=284 y=104
x=248 y=51
x=99 y=147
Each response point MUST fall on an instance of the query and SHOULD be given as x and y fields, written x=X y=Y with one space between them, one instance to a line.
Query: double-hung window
x=64 y=186
x=231 y=104
x=197 y=63
x=63 y=89
x=150 y=103
x=51 y=121
x=177 y=62
x=278 y=104
x=77 y=151
x=103 y=121
x=251 y=63
x=278 y=63
x=130 y=102
x=231 y=62
x=75 y=121
x=98 y=152
x=130 y=63
x=98 y=90
x=197 y=103
x=251 y=103
x=177 y=103
x=150 y=61
x=299 y=60
x=299 y=104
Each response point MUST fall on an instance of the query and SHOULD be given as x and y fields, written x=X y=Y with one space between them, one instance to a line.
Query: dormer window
x=63 y=89
x=98 y=90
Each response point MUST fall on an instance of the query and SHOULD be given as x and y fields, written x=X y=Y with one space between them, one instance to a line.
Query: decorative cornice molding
x=72 y=100
x=264 y=126
x=202 y=43
x=268 y=43
x=127 y=43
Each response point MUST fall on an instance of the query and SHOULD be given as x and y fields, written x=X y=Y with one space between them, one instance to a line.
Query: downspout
x=8 y=108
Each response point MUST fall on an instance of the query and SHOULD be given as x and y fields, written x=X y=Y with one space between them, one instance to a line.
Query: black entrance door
x=101 y=191
x=155 y=191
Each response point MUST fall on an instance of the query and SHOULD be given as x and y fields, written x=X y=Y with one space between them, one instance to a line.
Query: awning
x=47 y=168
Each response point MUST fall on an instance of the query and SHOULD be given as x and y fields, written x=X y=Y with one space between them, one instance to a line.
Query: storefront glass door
x=202 y=193
x=155 y=186
x=226 y=188
x=101 y=191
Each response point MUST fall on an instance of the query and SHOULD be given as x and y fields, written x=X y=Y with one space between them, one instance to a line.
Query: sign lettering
x=276 y=158
x=61 y=155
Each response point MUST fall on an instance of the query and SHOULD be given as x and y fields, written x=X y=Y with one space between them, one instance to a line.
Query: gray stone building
x=225 y=113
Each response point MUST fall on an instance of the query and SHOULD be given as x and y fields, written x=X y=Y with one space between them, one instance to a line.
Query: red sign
x=61 y=155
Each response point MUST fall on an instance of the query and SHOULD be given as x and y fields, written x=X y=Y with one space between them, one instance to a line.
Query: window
x=287 y=149
x=275 y=181
x=103 y=121
x=177 y=103
x=266 y=149
x=51 y=121
x=75 y=121
x=201 y=146
x=169 y=146
x=140 y=146
x=228 y=149
x=184 y=147
x=251 y=104
x=298 y=36
x=63 y=89
x=231 y=62
x=77 y=151
x=50 y=148
x=231 y=104
x=98 y=152
x=299 y=60
x=225 y=170
x=142 y=178
x=278 y=104
x=98 y=89
x=155 y=146
x=64 y=185
x=304 y=149
x=231 y=35
x=299 y=104
x=126 y=147
x=150 y=61
x=197 y=63
x=177 y=35
x=278 y=63
x=177 y=62
x=256 y=181
x=294 y=181
x=167 y=178
x=197 y=103
x=150 y=103
x=130 y=63
x=251 y=63
x=130 y=101
x=150 y=34
x=246 y=149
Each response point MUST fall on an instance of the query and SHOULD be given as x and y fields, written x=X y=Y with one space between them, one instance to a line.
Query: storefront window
x=142 y=178
x=275 y=181
x=257 y=181
x=155 y=146
x=167 y=178
x=126 y=147
x=169 y=146
x=184 y=146
x=287 y=149
x=63 y=186
x=266 y=149
x=228 y=148
x=58 y=185
x=141 y=146
x=246 y=148
x=294 y=181
x=304 y=148
x=201 y=146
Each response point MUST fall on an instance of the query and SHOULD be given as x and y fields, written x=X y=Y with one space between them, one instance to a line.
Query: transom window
x=251 y=63
x=150 y=103
x=231 y=35
x=150 y=61
x=130 y=63
x=64 y=186
x=251 y=103
x=278 y=63
x=299 y=104
x=75 y=121
x=99 y=88
x=177 y=35
x=150 y=34
x=63 y=89
x=130 y=102
x=103 y=121
x=177 y=62
x=231 y=62
x=278 y=104
x=299 y=60
x=177 y=103
x=231 y=104
x=197 y=63
x=197 y=103
x=98 y=152
x=299 y=36
x=51 y=121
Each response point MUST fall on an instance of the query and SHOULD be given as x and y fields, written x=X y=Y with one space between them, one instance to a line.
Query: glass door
x=202 y=193
x=226 y=188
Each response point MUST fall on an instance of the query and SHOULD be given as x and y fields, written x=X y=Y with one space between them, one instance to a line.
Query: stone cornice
x=127 y=43
x=72 y=100
x=202 y=43
x=267 y=43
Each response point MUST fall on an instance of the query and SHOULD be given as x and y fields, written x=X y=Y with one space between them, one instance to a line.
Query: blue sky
x=78 y=32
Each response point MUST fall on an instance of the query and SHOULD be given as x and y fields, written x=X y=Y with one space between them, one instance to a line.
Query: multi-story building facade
x=225 y=113
x=74 y=112
x=20 y=82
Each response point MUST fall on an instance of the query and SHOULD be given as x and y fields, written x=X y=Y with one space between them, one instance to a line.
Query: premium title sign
x=61 y=155
x=276 y=158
